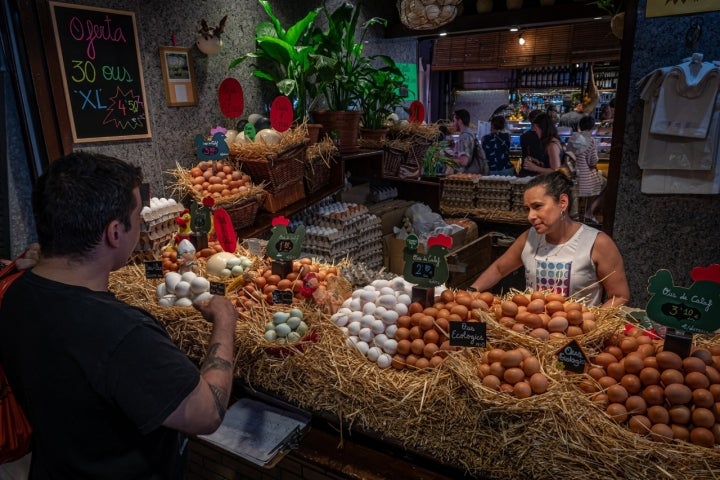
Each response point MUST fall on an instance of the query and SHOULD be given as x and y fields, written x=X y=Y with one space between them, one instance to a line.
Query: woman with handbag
x=546 y=131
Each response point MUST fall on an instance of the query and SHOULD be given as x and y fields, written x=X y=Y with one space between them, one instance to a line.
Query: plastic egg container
x=369 y=318
x=183 y=290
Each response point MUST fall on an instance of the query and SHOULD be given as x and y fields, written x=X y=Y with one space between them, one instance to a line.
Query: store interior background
x=675 y=232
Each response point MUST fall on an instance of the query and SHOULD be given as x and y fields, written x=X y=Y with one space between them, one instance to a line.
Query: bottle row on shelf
x=559 y=76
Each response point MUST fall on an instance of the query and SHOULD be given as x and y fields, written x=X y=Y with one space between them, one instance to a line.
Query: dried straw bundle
x=259 y=150
x=415 y=132
x=182 y=186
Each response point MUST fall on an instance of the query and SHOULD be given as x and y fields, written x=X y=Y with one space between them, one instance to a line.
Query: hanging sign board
x=231 y=99
x=101 y=72
x=283 y=244
x=426 y=269
x=281 y=113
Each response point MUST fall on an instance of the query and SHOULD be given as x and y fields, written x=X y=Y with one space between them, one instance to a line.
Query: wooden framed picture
x=178 y=76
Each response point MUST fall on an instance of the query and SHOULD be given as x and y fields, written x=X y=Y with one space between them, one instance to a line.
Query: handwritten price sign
x=102 y=74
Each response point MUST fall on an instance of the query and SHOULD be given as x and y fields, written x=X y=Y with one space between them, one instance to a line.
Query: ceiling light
x=521 y=40
x=514 y=29
x=442 y=34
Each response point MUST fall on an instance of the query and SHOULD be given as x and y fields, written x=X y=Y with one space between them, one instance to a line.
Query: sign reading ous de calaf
x=101 y=70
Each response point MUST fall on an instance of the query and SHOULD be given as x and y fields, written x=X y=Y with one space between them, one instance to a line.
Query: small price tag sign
x=693 y=309
x=249 y=131
x=217 y=288
x=214 y=149
x=230 y=97
x=283 y=244
x=572 y=357
x=468 y=334
x=426 y=269
x=281 y=113
x=417 y=112
x=153 y=269
x=282 y=297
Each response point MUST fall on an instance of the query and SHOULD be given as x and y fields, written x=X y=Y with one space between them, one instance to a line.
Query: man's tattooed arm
x=214 y=362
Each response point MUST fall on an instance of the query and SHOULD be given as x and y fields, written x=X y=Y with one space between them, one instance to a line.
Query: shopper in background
x=109 y=395
x=572 y=118
x=590 y=180
x=607 y=113
x=466 y=144
x=545 y=130
x=496 y=147
x=552 y=112
x=559 y=254
x=531 y=147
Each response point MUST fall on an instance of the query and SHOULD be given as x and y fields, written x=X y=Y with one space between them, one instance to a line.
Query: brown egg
x=617 y=412
x=398 y=361
x=422 y=363
x=491 y=381
x=495 y=354
x=540 y=334
x=509 y=309
x=532 y=320
x=411 y=360
x=617 y=393
x=712 y=374
x=518 y=327
x=649 y=376
x=702 y=436
x=416 y=332
x=650 y=362
x=715 y=390
x=670 y=376
x=554 y=306
x=570 y=306
x=554 y=297
x=588 y=386
x=631 y=383
x=514 y=375
x=616 y=370
x=483 y=368
x=431 y=311
x=522 y=390
x=273 y=279
x=460 y=310
x=536 y=306
x=635 y=404
x=679 y=414
x=615 y=351
x=520 y=299
x=431 y=336
x=463 y=299
x=667 y=359
x=415 y=307
x=658 y=414
x=601 y=400
x=430 y=349
x=588 y=326
x=596 y=372
x=703 y=354
x=404 y=321
x=477 y=304
x=633 y=363
x=497 y=369
x=511 y=358
x=486 y=297
x=661 y=433
x=415 y=318
x=417 y=346
x=530 y=366
x=447 y=296
x=702 y=397
x=639 y=424
x=540 y=295
x=628 y=344
x=606 y=382
x=426 y=322
x=402 y=333
x=574 y=317
x=604 y=359
x=538 y=383
x=678 y=393
x=716 y=431
x=703 y=417
x=506 y=388
x=557 y=324
x=693 y=364
x=696 y=380
x=403 y=346
x=654 y=394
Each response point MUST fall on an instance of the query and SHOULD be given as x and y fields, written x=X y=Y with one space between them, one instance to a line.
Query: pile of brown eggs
x=515 y=371
x=545 y=316
x=656 y=392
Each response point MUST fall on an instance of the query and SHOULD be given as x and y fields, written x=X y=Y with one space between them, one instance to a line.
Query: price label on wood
x=468 y=334
x=282 y=297
x=572 y=357
x=217 y=288
x=153 y=269
x=426 y=269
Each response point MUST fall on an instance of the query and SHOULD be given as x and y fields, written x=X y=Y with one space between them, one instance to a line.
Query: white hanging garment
x=685 y=101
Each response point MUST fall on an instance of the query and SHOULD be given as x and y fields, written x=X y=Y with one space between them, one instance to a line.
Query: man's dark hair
x=586 y=123
x=463 y=115
x=533 y=114
x=498 y=122
x=77 y=197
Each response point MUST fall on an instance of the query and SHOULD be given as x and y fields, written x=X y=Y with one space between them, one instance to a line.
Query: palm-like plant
x=379 y=92
x=285 y=57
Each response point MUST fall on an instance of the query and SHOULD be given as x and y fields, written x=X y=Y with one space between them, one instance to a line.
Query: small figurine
x=186 y=257
x=183 y=223
x=310 y=284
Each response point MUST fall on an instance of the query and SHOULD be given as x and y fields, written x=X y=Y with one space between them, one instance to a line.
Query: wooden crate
x=466 y=263
x=274 y=202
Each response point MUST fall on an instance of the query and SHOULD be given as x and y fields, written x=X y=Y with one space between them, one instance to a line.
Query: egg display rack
x=517 y=188
x=493 y=192
x=336 y=229
x=378 y=193
x=459 y=190
x=157 y=228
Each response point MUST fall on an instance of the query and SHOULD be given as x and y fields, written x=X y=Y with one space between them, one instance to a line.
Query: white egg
x=202 y=298
x=341 y=321
x=199 y=285
x=245 y=261
x=398 y=284
x=343 y=311
x=369 y=288
x=293 y=323
x=225 y=273
x=377 y=327
x=167 y=301
x=354 y=328
x=387 y=301
x=373 y=353
x=355 y=316
x=182 y=289
x=183 y=302
x=346 y=303
x=387 y=291
x=378 y=284
x=367 y=321
x=390 y=317
x=230 y=136
x=161 y=290
x=240 y=138
x=356 y=305
x=380 y=339
x=268 y=136
x=379 y=312
x=189 y=276
x=362 y=347
x=401 y=308
x=368 y=296
x=404 y=298
x=390 y=347
x=369 y=308
x=365 y=334
x=237 y=270
x=344 y=330
x=282 y=330
x=391 y=330
x=172 y=279
x=353 y=339
x=356 y=293
x=384 y=361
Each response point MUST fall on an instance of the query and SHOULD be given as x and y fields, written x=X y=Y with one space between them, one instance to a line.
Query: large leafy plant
x=379 y=90
x=285 y=57
x=341 y=64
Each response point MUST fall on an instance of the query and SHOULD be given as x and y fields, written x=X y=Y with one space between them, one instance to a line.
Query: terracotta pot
x=514 y=4
x=484 y=6
x=343 y=126
x=617 y=24
x=314 y=132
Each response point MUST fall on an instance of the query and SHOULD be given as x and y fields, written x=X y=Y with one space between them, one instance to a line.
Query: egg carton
x=379 y=193
x=492 y=205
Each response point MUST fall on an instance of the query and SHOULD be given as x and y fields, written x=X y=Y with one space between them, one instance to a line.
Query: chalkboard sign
x=101 y=70
x=153 y=269
x=217 y=288
x=572 y=357
x=282 y=297
x=468 y=334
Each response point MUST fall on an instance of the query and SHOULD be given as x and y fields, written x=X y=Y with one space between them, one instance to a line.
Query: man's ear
x=112 y=233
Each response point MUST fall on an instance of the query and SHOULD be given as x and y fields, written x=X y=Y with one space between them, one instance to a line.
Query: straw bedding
x=445 y=413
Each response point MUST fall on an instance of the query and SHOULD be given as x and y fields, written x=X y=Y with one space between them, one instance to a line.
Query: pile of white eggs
x=286 y=327
x=226 y=264
x=182 y=290
x=369 y=318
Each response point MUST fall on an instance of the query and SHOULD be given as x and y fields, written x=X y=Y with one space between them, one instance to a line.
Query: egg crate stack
x=517 y=189
x=378 y=193
x=339 y=229
x=459 y=191
x=157 y=228
x=494 y=193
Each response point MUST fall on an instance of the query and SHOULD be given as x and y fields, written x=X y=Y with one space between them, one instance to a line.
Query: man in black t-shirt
x=531 y=146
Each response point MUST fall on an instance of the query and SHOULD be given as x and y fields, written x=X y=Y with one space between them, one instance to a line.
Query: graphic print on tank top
x=553 y=275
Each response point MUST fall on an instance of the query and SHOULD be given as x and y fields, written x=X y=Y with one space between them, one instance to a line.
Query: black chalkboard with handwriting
x=102 y=74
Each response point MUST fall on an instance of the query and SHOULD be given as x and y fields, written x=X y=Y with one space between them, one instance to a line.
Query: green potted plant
x=379 y=90
x=617 y=14
x=285 y=57
x=340 y=65
x=435 y=159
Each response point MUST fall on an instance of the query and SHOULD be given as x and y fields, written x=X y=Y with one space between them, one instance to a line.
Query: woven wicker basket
x=277 y=170
x=392 y=158
x=428 y=15
x=243 y=214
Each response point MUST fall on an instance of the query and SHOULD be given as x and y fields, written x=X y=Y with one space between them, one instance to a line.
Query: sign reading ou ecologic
x=101 y=70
